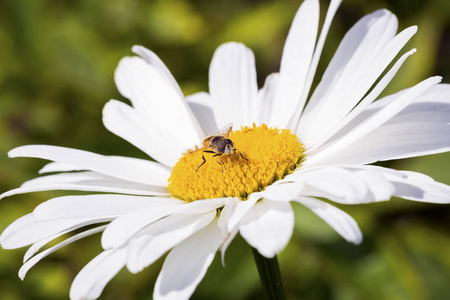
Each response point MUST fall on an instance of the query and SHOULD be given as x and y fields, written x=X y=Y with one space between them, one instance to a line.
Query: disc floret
x=263 y=155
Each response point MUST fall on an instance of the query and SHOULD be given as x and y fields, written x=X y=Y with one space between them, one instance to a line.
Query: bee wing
x=226 y=130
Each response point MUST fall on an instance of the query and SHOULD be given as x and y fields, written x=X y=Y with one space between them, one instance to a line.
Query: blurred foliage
x=57 y=63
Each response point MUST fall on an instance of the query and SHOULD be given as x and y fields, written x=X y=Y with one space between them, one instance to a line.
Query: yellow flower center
x=268 y=154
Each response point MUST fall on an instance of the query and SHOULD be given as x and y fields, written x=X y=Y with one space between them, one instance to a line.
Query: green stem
x=269 y=273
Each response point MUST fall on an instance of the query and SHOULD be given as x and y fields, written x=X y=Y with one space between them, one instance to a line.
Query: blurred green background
x=57 y=60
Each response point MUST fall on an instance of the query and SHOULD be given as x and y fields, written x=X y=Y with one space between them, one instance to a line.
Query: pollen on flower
x=268 y=154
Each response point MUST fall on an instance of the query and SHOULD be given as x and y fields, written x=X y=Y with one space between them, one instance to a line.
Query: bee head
x=226 y=146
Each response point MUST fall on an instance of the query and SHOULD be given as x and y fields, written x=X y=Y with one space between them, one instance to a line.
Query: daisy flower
x=285 y=147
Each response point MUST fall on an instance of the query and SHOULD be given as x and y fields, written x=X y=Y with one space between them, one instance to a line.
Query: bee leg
x=221 y=163
x=204 y=160
x=234 y=151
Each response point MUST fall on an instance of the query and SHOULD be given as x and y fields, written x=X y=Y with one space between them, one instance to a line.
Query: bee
x=219 y=144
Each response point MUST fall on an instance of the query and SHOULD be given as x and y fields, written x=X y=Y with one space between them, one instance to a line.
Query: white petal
x=225 y=215
x=153 y=59
x=93 y=278
x=268 y=227
x=90 y=161
x=431 y=106
x=417 y=187
x=156 y=99
x=361 y=107
x=153 y=166
x=59 y=167
x=86 y=181
x=283 y=191
x=161 y=236
x=334 y=183
x=198 y=207
x=332 y=8
x=430 y=112
x=123 y=228
x=33 y=249
x=30 y=263
x=295 y=62
x=379 y=189
x=346 y=184
x=438 y=93
x=375 y=121
x=365 y=52
x=95 y=206
x=226 y=242
x=397 y=141
x=336 y=218
x=360 y=44
x=75 y=177
x=232 y=85
x=144 y=133
x=39 y=244
x=26 y=230
x=95 y=180
x=147 y=164
x=227 y=212
x=201 y=106
x=240 y=210
x=267 y=100
x=187 y=263
x=157 y=63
